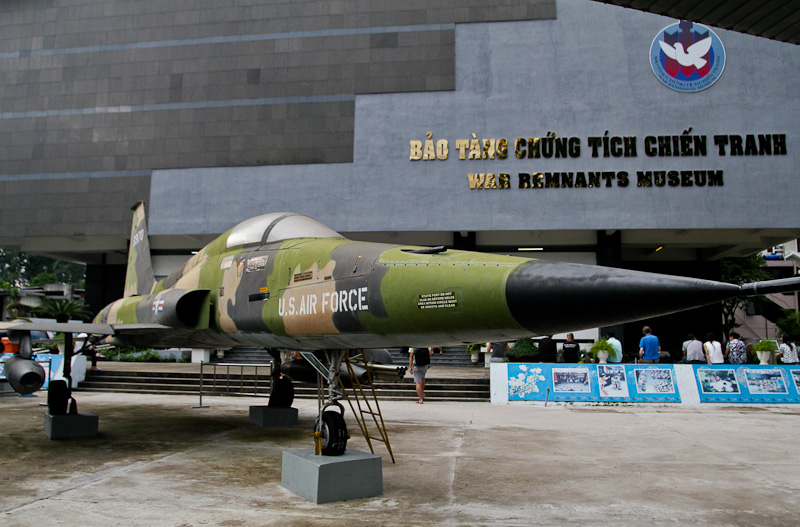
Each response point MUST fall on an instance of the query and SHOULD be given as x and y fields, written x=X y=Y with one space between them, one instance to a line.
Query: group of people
x=571 y=349
x=735 y=351
x=710 y=351
x=695 y=351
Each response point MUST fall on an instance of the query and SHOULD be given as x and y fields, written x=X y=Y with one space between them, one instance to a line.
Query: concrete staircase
x=451 y=356
x=244 y=355
x=179 y=383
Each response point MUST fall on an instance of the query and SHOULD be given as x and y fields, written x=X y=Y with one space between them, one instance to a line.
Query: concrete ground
x=160 y=462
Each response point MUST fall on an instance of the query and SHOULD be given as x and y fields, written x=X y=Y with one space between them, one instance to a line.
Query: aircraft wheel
x=57 y=398
x=282 y=395
x=334 y=434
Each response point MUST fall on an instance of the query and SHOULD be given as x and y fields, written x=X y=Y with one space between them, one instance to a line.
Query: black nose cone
x=551 y=297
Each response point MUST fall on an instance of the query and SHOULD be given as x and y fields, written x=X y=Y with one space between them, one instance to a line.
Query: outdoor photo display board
x=748 y=383
x=592 y=382
x=656 y=383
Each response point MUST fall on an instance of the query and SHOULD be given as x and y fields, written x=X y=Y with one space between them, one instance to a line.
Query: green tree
x=790 y=324
x=43 y=278
x=19 y=269
x=739 y=271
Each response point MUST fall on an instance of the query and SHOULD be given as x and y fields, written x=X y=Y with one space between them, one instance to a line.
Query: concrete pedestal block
x=201 y=355
x=271 y=416
x=69 y=426
x=323 y=479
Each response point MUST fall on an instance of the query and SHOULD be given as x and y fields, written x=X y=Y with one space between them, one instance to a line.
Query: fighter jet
x=284 y=281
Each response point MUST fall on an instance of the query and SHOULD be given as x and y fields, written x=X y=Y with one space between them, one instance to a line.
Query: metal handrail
x=227 y=379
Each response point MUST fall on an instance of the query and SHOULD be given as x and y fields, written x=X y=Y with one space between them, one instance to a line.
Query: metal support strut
x=330 y=430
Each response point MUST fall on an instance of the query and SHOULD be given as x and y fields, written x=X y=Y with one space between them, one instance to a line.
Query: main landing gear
x=330 y=429
x=324 y=369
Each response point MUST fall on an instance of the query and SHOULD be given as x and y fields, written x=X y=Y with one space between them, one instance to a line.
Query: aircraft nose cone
x=548 y=297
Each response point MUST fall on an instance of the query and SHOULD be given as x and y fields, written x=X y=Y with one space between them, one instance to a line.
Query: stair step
x=451 y=356
x=188 y=383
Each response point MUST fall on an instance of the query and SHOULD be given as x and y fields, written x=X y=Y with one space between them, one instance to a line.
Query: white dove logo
x=693 y=56
x=687 y=57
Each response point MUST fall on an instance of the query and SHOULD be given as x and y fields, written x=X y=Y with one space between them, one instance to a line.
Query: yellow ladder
x=361 y=398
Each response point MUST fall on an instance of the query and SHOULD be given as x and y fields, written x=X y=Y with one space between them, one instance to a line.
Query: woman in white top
x=713 y=350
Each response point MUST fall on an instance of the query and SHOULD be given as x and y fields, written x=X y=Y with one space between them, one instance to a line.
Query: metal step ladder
x=365 y=407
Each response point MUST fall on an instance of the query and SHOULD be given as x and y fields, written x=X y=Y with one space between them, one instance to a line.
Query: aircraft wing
x=58 y=327
x=132 y=329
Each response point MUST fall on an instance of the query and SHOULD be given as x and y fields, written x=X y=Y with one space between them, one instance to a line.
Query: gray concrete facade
x=213 y=112
x=585 y=74
x=103 y=89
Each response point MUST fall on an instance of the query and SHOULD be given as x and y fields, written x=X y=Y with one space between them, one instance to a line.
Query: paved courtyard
x=160 y=462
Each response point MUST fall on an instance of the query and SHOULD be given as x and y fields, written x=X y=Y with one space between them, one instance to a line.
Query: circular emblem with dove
x=687 y=57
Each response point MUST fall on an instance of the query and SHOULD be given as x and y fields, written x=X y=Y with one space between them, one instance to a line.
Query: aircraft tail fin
x=140 y=278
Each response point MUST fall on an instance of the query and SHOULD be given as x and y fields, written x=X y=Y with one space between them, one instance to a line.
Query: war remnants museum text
x=552 y=146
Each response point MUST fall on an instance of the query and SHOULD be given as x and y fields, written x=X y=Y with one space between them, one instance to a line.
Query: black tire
x=282 y=394
x=57 y=397
x=334 y=434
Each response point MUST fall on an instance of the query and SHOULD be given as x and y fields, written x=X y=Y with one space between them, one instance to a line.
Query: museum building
x=571 y=130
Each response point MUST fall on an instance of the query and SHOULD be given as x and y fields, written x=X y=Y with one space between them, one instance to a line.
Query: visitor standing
x=421 y=358
x=547 y=349
x=570 y=349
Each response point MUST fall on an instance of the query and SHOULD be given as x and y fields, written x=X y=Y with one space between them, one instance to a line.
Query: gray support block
x=271 y=416
x=70 y=426
x=324 y=479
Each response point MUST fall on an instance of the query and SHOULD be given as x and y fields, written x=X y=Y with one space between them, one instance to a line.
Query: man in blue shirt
x=649 y=347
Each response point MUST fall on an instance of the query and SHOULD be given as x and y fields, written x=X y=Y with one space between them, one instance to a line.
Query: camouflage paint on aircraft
x=139 y=278
x=285 y=281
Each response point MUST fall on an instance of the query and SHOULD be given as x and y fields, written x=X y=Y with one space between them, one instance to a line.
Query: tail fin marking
x=140 y=278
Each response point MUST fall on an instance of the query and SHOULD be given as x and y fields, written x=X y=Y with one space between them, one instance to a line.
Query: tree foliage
x=19 y=269
x=62 y=309
x=789 y=324
x=739 y=271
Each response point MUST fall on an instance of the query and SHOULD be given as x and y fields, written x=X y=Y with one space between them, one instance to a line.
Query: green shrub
x=523 y=348
x=136 y=355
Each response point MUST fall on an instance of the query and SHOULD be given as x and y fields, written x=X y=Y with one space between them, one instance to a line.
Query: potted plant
x=764 y=350
x=523 y=350
x=474 y=351
x=601 y=350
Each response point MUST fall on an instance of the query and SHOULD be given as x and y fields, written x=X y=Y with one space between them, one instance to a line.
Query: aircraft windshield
x=277 y=226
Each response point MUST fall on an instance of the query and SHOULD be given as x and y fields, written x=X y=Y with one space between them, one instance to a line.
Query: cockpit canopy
x=275 y=227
